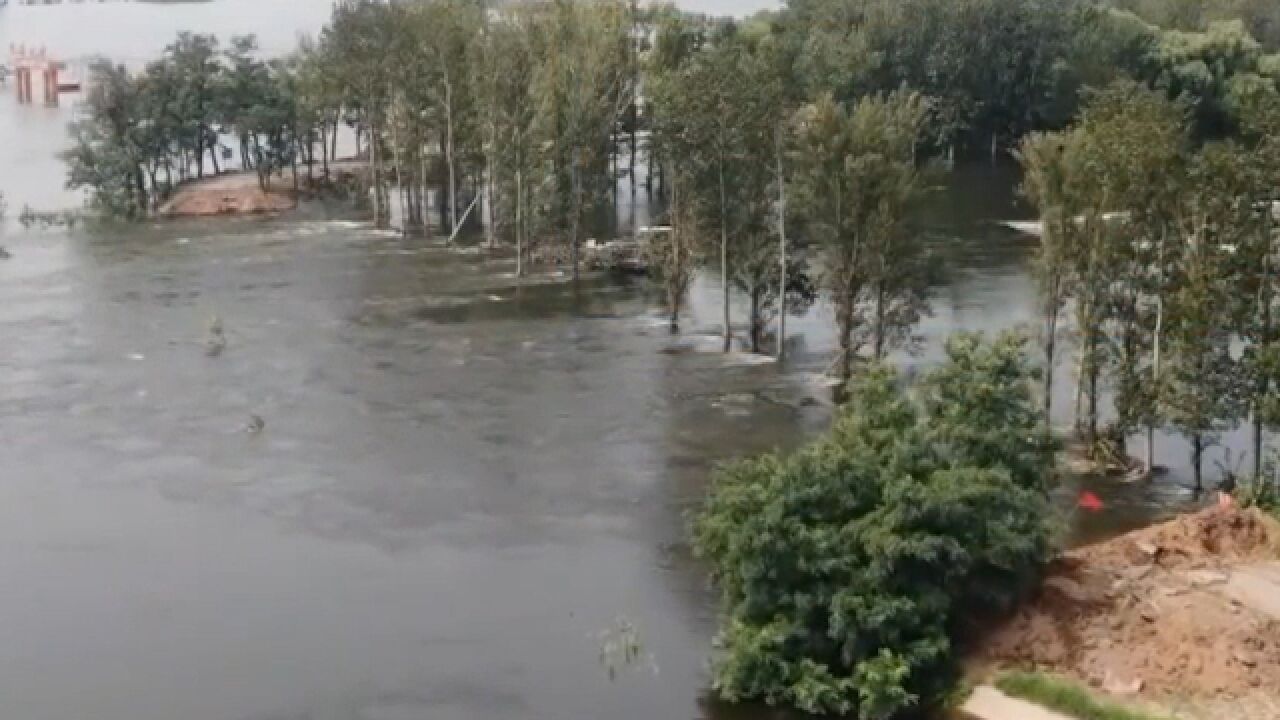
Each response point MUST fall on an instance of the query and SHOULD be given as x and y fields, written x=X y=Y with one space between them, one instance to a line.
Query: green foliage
x=856 y=181
x=1065 y=697
x=1261 y=17
x=993 y=68
x=107 y=154
x=140 y=134
x=844 y=566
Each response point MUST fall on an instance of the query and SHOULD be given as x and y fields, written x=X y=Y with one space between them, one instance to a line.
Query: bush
x=844 y=566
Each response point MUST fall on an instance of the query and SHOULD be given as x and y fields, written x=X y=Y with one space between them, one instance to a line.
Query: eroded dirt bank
x=1183 y=616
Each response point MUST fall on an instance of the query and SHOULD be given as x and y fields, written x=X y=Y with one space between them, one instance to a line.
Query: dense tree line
x=1164 y=248
x=796 y=136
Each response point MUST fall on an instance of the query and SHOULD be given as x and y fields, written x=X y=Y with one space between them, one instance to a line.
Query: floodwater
x=463 y=483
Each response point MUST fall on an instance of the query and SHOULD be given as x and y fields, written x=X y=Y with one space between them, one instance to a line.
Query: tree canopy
x=845 y=567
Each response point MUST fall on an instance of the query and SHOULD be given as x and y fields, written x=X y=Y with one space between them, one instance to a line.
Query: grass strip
x=1066 y=697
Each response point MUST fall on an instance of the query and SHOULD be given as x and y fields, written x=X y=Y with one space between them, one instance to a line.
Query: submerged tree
x=721 y=112
x=107 y=154
x=583 y=86
x=856 y=181
x=1202 y=395
x=1257 y=265
x=1052 y=182
x=1136 y=145
x=674 y=252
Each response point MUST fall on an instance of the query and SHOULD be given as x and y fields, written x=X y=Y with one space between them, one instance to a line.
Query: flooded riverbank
x=463 y=480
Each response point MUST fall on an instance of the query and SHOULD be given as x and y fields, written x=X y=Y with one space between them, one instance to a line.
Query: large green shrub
x=844 y=566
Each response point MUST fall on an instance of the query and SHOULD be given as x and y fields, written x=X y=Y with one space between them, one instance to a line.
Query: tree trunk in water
x=845 y=321
x=1263 y=383
x=1155 y=378
x=724 y=260
x=399 y=161
x=576 y=180
x=324 y=149
x=1050 y=345
x=311 y=157
x=154 y=199
x=675 y=283
x=1093 y=404
x=614 y=165
x=1197 y=457
x=648 y=175
x=374 y=180
x=424 y=191
x=782 y=252
x=448 y=114
x=635 y=122
x=490 y=228
x=140 y=185
x=519 y=224
x=878 y=338
x=1257 y=447
x=756 y=324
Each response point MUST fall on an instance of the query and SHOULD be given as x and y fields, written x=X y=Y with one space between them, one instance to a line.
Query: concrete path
x=988 y=703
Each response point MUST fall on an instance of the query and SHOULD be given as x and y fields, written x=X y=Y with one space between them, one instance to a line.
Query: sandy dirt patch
x=1184 y=615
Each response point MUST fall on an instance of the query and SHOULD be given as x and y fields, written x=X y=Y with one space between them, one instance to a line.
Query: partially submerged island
x=246 y=192
x=230 y=194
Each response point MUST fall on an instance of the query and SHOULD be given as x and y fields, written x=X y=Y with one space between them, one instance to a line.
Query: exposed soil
x=231 y=194
x=1169 y=615
x=238 y=193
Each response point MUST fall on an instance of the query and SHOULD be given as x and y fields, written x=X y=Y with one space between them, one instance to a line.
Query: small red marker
x=1090 y=502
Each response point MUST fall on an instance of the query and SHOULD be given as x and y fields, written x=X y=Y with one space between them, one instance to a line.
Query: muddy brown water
x=463 y=482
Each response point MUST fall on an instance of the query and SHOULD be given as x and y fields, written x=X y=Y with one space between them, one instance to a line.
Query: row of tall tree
x=796 y=139
x=1164 y=251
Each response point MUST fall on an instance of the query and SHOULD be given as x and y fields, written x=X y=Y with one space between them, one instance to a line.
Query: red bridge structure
x=26 y=62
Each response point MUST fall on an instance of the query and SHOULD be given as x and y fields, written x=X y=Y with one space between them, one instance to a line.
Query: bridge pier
x=22 y=82
x=25 y=64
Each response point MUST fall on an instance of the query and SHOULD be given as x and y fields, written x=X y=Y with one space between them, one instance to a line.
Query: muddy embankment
x=1183 y=617
x=239 y=193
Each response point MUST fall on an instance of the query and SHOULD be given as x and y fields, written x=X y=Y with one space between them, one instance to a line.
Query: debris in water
x=621 y=649
x=137 y=356
x=216 y=341
x=1089 y=501
x=4 y=254
x=256 y=425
